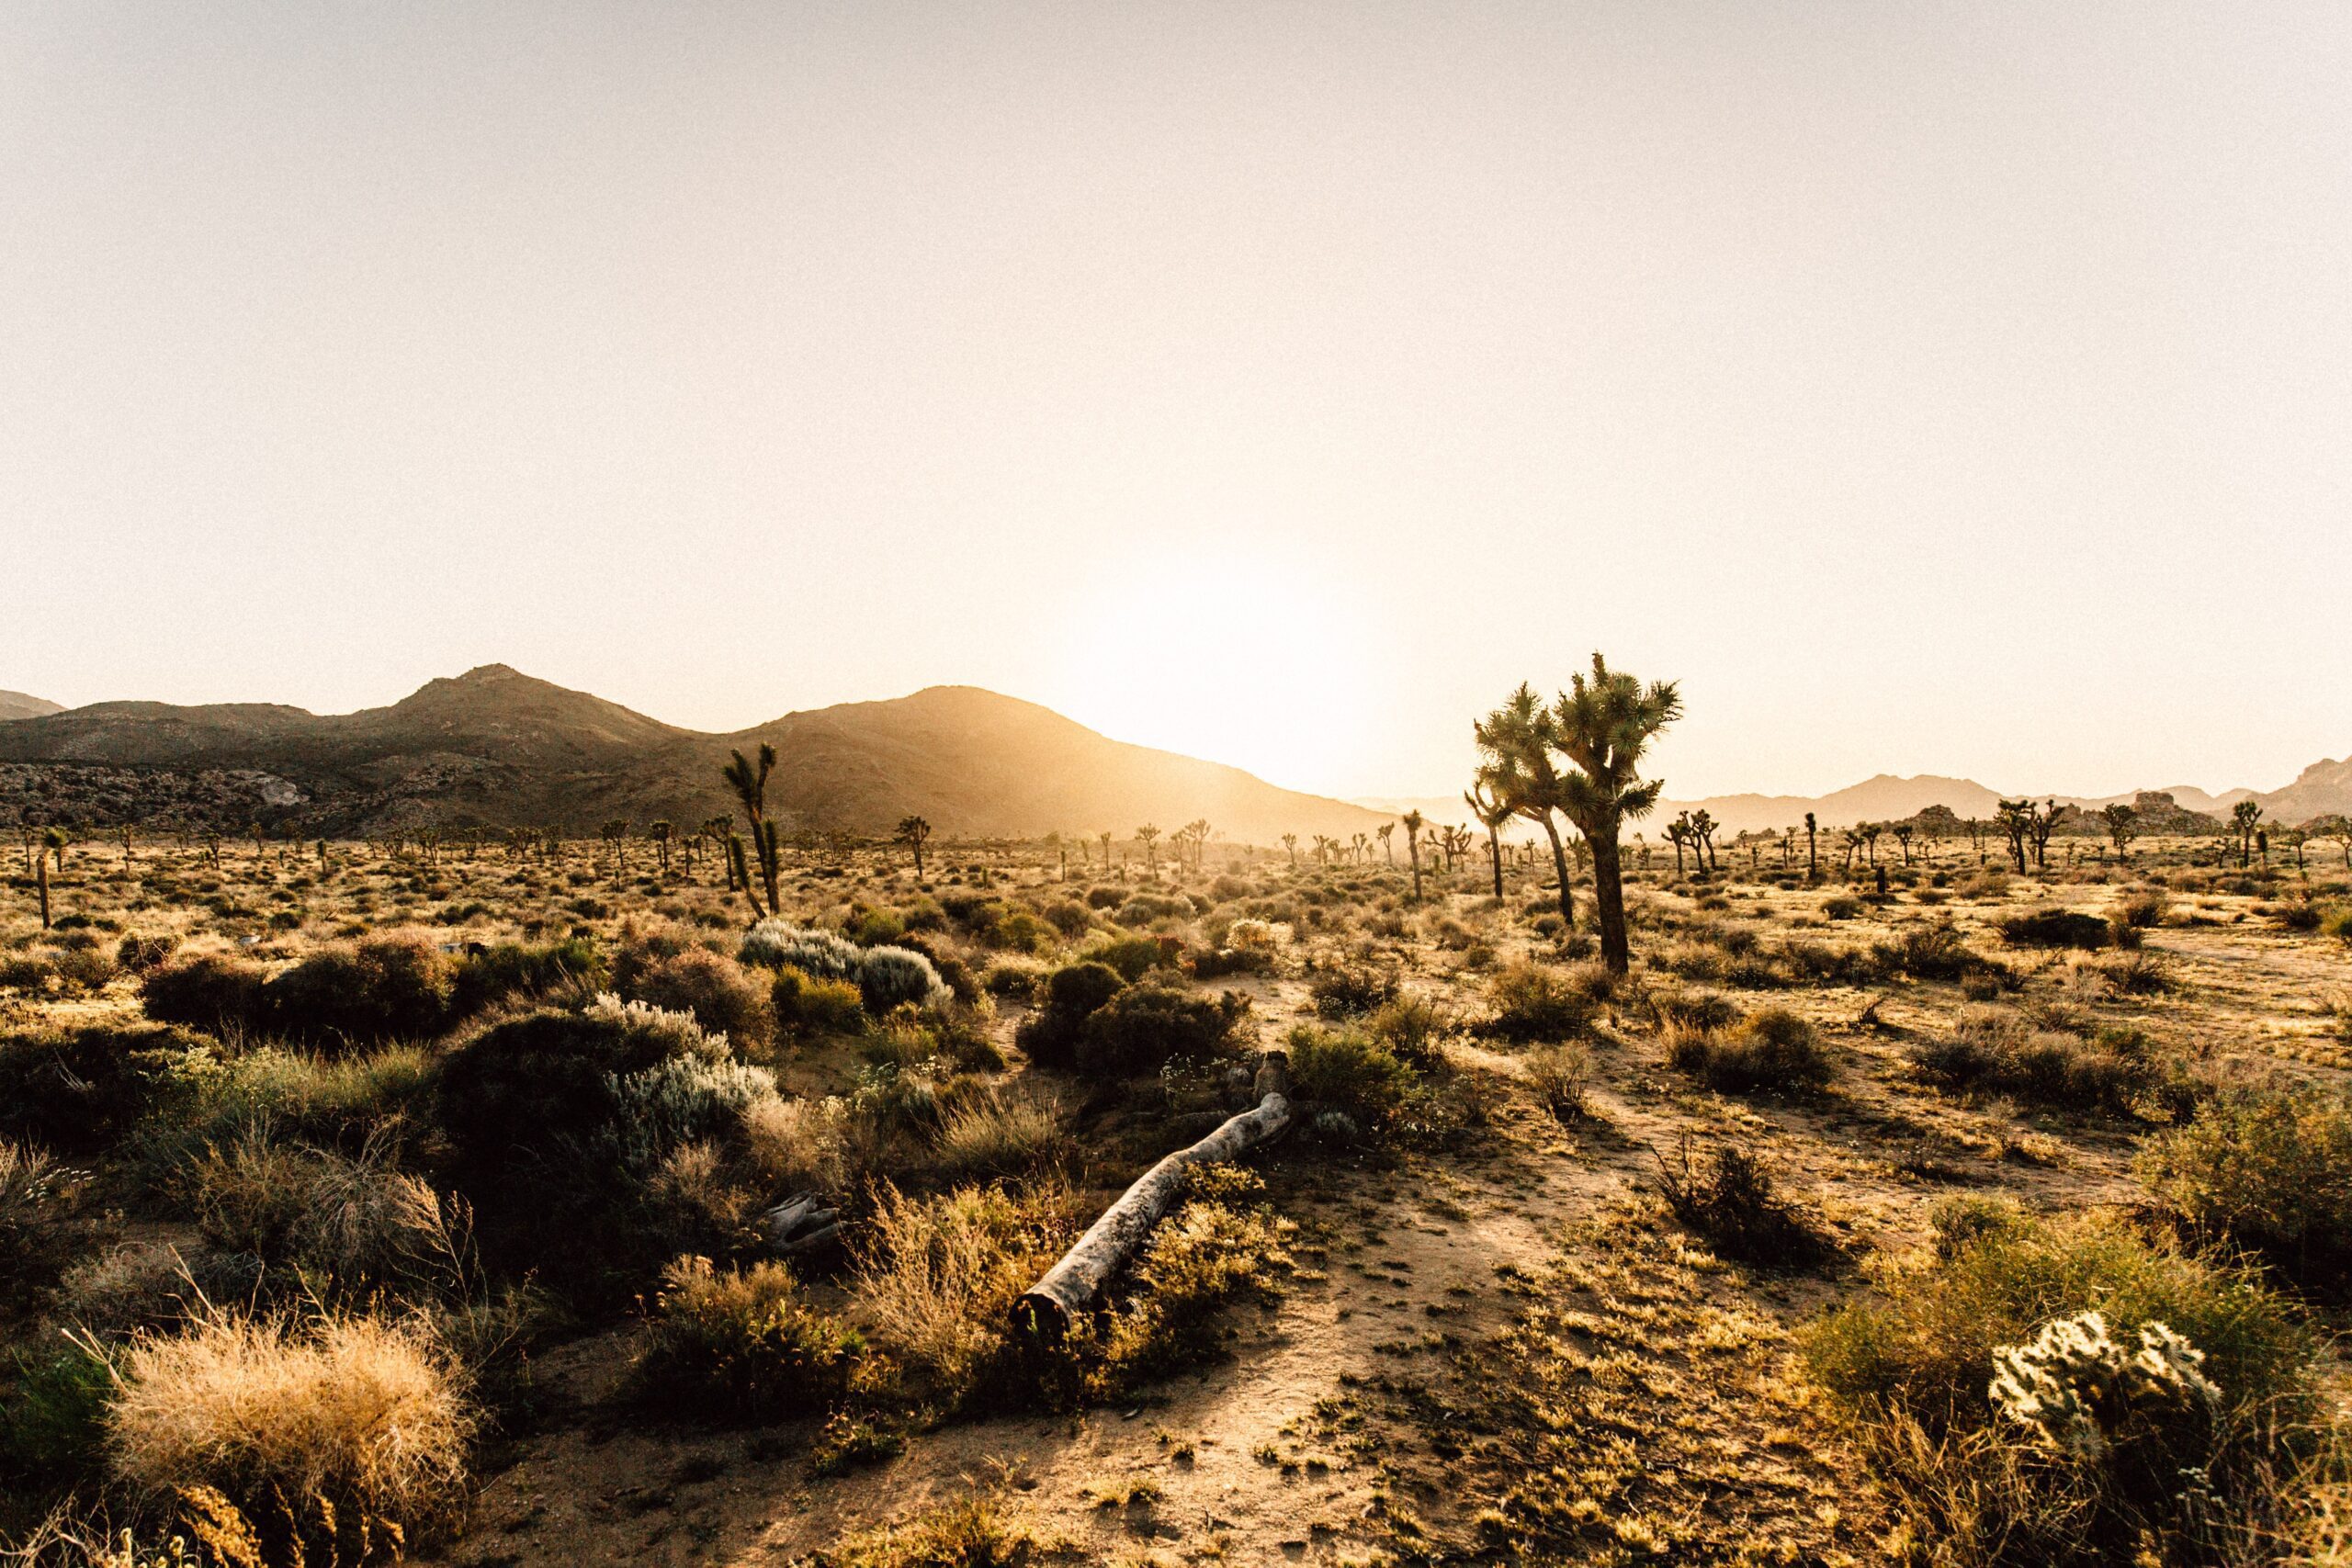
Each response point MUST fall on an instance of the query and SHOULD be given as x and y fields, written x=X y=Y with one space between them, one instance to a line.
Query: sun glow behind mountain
x=1203 y=656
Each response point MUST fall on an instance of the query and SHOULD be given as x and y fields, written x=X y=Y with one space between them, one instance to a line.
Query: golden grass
x=365 y=1410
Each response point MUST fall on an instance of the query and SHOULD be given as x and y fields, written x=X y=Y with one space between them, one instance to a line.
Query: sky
x=1957 y=388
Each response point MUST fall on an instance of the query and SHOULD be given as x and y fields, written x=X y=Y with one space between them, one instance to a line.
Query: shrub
x=213 y=991
x=1919 y=1368
x=1350 y=990
x=1409 y=1026
x=365 y=1412
x=1068 y=918
x=1772 y=1050
x=2143 y=907
x=936 y=1278
x=2268 y=1170
x=1693 y=1010
x=779 y=944
x=380 y=987
x=711 y=987
x=802 y=1005
x=892 y=977
x=1929 y=953
x=137 y=954
x=82 y=1090
x=1144 y=1027
x=510 y=969
x=1560 y=1074
x=743 y=1345
x=1536 y=1001
x=1347 y=1071
x=2053 y=928
x=1997 y=1052
x=1132 y=956
x=796 y=1145
x=38 y=1198
x=52 y=1426
x=1073 y=995
x=1729 y=1199
x=1008 y=1134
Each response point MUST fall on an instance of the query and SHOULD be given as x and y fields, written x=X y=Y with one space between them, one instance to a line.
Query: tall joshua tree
x=1492 y=812
x=912 y=831
x=1385 y=832
x=53 y=842
x=1518 y=767
x=1412 y=820
x=1811 y=849
x=1290 y=842
x=750 y=784
x=1604 y=724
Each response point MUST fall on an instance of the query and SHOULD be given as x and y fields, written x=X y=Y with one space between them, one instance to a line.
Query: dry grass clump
x=2049 y=1464
x=1771 y=1050
x=975 y=1530
x=365 y=1412
x=1993 y=1051
x=1001 y=1133
x=743 y=1345
x=1730 y=1198
x=1221 y=1245
x=1560 y=1074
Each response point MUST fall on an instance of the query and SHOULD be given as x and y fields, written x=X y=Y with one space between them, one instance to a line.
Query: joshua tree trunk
x=1560 y=866
x=41 y=875
x=1494 y=852
x=1608 y=902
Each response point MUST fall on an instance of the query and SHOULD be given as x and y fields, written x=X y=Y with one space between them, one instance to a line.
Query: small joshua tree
x=1149 y=836
x=1812 y=851
x=1385 y=832
x=53 y=840
x=1412 y=820
x=912 y=832
x=2245 y=817
x=1492 y=812
x=749 y=782
x=2123 y=827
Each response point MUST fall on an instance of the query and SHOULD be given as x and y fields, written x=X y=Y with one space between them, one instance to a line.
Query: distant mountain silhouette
x=497 y=748
x=15 y=705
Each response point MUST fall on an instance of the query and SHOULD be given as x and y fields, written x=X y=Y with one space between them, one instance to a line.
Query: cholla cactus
x=2072 y=1385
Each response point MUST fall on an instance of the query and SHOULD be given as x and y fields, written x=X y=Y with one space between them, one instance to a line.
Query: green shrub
x=1911 y=1368
x=1349 y=1072
x=805 y=1006
x=2268 y=1170
x=216 y=992
x=888 y=977
x=510 y=969
x=2054 y=928
x=742 y=1345
x=80 y=1090
x=2142 y=907
x=2114 y=1073
x=1536 y=1001
x=53 y=1422
x=1073 y=994
x=381 y=987
x=1220 y=1246
x=1132 y=956
x=1144 y=1027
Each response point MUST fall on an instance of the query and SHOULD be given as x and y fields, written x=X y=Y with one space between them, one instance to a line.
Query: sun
x=1243 y=658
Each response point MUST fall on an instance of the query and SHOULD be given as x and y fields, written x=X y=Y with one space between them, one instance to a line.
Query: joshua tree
x=2123 y=827
x=750 y=784
x=1385 y=832
x=1602 y=725
x=1149 y=836
x=1360 y=846
x=660 y=832
x=1104 y=838
x=1290 y=842
x=1869 y=832
x=1849 y=840
x=1412 y=820
x=1492 y=811
x=1903 y=831
x=1198 y=832
x=1453 y=843
x=1514 y=742
x=2015 y=818
x=1703 y=834
x=2336 y=826
x=123 y=834
x=614 y=832
x=2245 y=817
x=912 y=831
x=2041 y=824
x=1678 y=833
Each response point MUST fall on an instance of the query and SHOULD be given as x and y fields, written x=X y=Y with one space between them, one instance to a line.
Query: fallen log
x=1047 y=1307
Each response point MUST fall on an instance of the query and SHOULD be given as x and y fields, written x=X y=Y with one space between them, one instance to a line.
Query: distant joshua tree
x=1149 y=836
x=1603 y=725
x=53 y=842
x=1517 y=766
x=660 y=833
x=1412 y=820
x=2123 y=827
x=1678 y=833
x=912 y=832
x=749 y=782
x=1290 y=842
x=1902 y=832
x=1492 y=811
x=2245 y=818
x=2336 y=825
x=1385 y=832
x=1453 y=843
x=1812 y=854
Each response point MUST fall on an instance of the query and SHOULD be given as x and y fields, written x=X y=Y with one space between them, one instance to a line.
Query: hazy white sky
x=1963 y=388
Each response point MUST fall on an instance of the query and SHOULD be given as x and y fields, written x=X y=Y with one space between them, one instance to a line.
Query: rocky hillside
x=15 y=705
x=495 y=746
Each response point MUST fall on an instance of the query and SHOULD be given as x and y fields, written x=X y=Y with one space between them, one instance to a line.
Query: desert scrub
x=1729 y=1199
x=1560 y=1076
x=1349 y=991
x=935 y=1279
x=743 y=1345
x=1221 y=1245
x=717 y=990
x=397 y=984
x=2054 y=928
x=1531 y=1002
x=1771 y=1050
x=80 y=1090
x=1347 y=1071
x=2116 y=1072
x=2265 y=1168
x=806 y=1005
x=1928 y=1370
x=367 y=1413
x=1074 y=994
x=1147 y=1026
x=217 y=992
x=1001 y=1133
